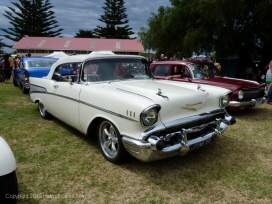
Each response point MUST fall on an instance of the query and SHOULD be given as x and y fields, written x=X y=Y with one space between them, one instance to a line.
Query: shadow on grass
x=225 y=160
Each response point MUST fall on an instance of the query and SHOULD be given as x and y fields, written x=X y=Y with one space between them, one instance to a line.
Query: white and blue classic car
x=117 y=98
x=31 y=67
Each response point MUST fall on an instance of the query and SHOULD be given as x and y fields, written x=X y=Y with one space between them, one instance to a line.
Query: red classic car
x=246 y=93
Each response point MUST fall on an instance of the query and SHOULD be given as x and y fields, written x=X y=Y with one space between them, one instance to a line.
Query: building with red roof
x=41 y=46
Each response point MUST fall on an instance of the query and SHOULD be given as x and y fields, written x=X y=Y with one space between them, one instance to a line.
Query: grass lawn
x=57 y=164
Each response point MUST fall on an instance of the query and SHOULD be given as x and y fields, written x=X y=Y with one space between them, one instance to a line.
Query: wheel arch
x=93 y=126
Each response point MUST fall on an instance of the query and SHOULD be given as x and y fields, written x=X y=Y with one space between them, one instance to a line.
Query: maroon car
x=246 y=93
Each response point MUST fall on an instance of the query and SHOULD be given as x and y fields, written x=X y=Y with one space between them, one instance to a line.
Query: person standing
x=6 y=68
x=11 y=64
x=269 y=83
x=17 y=60
x=162 y=57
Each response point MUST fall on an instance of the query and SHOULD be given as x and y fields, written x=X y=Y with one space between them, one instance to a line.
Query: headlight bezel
x=224 y=100
x=147 y=112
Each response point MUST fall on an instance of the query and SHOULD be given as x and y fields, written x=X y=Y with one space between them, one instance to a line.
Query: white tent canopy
x=57 y=55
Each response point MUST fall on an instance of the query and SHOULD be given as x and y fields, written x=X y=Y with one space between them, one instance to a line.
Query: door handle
x=56 y=86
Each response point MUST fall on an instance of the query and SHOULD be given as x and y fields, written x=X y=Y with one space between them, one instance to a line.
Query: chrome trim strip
x=134 y=93
x=108 y=111
x=38 y=89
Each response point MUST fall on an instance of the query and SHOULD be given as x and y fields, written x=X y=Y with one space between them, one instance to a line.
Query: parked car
x=31 y=67
x=116 y=97
x=8 y=178
x=246 y=93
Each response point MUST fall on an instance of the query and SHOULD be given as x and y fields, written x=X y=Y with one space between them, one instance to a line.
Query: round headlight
x=149 y=116
x=224 y=100
x=241 y=95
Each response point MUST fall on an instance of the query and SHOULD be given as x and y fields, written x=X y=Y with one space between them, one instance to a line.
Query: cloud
x=84 y=14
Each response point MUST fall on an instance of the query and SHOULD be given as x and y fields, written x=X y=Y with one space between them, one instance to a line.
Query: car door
x=20 y=73
x=66 y=91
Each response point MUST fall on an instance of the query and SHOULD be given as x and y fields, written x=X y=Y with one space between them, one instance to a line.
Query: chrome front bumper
x=252 y=102
x=155 y=146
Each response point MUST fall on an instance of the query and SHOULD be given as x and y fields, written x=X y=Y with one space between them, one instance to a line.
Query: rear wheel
x=24 y=90
x=15 y=82
x=43 y=111
x=110 y=143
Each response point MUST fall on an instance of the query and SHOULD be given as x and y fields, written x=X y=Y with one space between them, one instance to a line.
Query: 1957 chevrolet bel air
x=116 y=97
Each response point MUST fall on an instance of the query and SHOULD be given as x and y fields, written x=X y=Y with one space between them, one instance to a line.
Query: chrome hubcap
x=108 y=139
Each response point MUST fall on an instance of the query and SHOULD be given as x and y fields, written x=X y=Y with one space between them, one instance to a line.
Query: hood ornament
x=199 y=87
x=161 y=94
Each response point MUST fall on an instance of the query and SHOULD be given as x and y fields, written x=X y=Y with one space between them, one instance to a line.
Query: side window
x=185 y=72
x=161 y=70
x=90 y=72
x=66 y=72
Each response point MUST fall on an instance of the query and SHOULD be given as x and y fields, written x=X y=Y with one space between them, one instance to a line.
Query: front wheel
x=110 y=143
x=43 y=111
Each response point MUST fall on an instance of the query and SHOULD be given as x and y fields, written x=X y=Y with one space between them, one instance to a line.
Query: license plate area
x=201 y=144
x=258 y=102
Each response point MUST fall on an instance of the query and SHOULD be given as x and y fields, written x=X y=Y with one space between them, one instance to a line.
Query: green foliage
x=228 y=27
x=32 y=18
x=85 y=34
x=114 y=16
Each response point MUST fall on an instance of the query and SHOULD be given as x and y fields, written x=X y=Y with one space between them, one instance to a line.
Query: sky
x=84 y=14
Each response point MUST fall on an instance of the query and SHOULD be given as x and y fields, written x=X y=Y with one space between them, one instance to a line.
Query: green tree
x=114 y=16
x=85 y=34
x=32 y=18
x=227 y=27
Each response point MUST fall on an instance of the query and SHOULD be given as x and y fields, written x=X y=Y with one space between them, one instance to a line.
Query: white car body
x=7 y=160
x=83 y=100
x=8 y=178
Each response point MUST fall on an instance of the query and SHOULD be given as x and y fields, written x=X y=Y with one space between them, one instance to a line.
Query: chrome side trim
x=39 y=89
x=133 y=93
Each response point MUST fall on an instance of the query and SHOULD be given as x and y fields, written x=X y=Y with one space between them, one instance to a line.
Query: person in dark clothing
x=6 y=68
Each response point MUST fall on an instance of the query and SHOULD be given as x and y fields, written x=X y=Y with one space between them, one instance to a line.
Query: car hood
x=175 y=99
x=228 y=83
x=38 y=71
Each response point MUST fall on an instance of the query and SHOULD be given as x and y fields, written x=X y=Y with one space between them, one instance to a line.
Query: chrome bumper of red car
x=252 y=102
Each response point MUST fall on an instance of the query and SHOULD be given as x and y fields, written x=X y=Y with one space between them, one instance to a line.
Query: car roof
x=81 y=58
x=181 y=62
x=24 y=59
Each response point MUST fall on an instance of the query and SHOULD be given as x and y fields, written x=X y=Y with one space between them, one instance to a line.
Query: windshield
x=39 y=63
x=115 y=69
x=203 y=70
